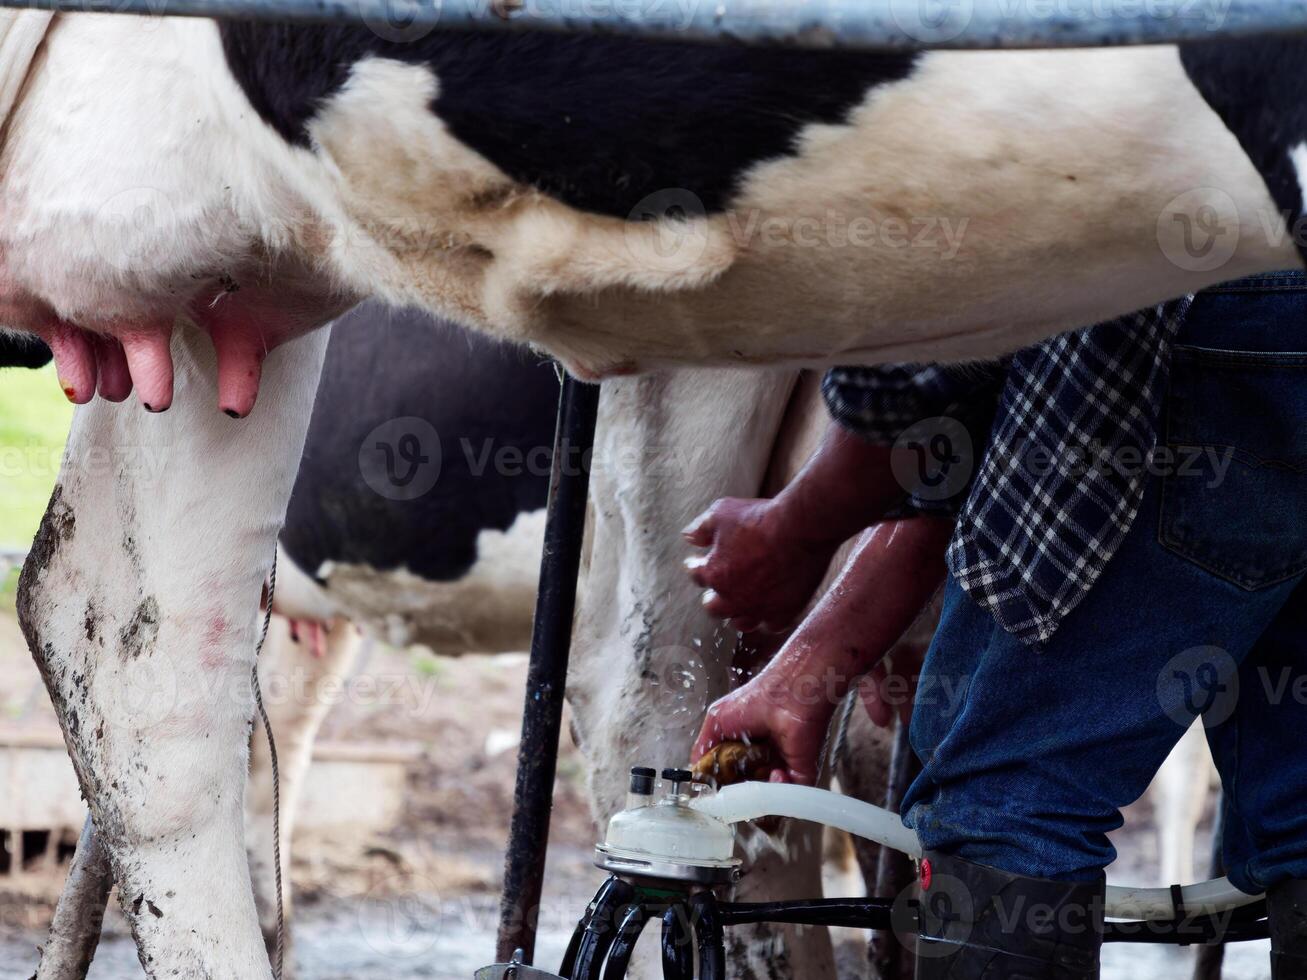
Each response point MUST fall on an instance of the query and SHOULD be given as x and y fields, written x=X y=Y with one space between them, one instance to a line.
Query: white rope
x=278 y=961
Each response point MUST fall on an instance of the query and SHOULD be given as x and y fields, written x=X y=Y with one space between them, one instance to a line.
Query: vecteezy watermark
x=1075 y=461
x=668 y=229
x=679 y=687
x=671 y=227
x=932 y=21
x=398 y=691
x=946 y=902
x=400 y=916
x=400 y=459
x=939 y=234
x=934 y=459
x=943 y=693
x=404 y=458
x=1198 y=231
x=145 y=464
x=401 y=21
x=1202 y=680
x=126 y=232
x=406 y=21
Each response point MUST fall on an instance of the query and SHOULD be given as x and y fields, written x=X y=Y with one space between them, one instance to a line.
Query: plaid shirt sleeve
x=941 y=412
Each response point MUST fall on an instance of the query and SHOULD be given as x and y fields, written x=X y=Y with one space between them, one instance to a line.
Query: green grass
x=427 y=664
x=34 y=419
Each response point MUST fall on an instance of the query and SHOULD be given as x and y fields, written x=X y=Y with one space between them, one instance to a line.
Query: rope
x=837 y=736
x=279 y=957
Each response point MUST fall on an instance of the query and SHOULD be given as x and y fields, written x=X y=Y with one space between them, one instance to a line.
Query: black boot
x=979 y=923
x=1286 y=908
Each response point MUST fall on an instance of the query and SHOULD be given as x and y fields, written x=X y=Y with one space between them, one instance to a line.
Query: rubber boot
x=978 y=923
x=1286 y=909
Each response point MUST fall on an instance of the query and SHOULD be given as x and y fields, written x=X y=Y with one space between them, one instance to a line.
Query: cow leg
x=140 y=603
x=79 y=917
x=291 y=677
x=1179 y=793
x=647 y=660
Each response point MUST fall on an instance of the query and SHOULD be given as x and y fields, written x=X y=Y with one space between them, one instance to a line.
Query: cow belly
x=908 y=233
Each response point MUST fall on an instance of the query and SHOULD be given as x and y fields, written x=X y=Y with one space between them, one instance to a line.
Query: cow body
x=256 y=178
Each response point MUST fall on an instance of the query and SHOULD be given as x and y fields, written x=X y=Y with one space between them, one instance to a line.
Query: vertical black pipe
x=628 y=934
x=678 y=944
x=611 y=907
x=708 y=931
x=542 y=716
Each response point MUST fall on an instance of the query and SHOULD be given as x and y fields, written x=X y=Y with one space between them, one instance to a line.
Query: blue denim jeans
x=1030 y=753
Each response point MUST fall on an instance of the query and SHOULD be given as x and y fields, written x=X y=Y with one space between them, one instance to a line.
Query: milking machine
x=671 y=859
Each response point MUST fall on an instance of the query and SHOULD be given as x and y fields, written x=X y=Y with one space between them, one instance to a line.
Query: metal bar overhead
x=865 y=24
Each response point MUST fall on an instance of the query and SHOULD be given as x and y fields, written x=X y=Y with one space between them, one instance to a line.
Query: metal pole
x=868 y=24
x=542 y=715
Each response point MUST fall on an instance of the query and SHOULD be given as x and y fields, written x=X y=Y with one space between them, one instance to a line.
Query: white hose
x=749 y=801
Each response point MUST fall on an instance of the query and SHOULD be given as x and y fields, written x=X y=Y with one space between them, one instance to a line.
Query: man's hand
x=892 y=573
x=773 y=707
x=756 y=573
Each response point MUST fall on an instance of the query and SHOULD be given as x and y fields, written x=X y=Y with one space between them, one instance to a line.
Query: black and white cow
x=418 y=509
x=627 y=204
x=182 y=201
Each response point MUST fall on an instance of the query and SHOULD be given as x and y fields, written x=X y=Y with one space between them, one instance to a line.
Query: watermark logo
x=932 y=21
x=1202 y=680
x=679 y=687
x=400 y=458
x=946 y=903
x=145 y=688
x=130 y=226
x=1198 y=231
x=668 y=229
x=934 y=459
x=399 y=917
x=401 y=21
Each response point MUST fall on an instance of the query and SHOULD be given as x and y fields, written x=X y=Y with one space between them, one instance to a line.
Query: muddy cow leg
x=75 y=931
x=140 y=602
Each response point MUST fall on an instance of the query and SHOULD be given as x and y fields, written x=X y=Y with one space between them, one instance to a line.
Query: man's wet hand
x=757 y=571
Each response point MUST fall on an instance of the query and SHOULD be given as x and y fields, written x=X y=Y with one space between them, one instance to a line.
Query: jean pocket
x=1234 y=493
